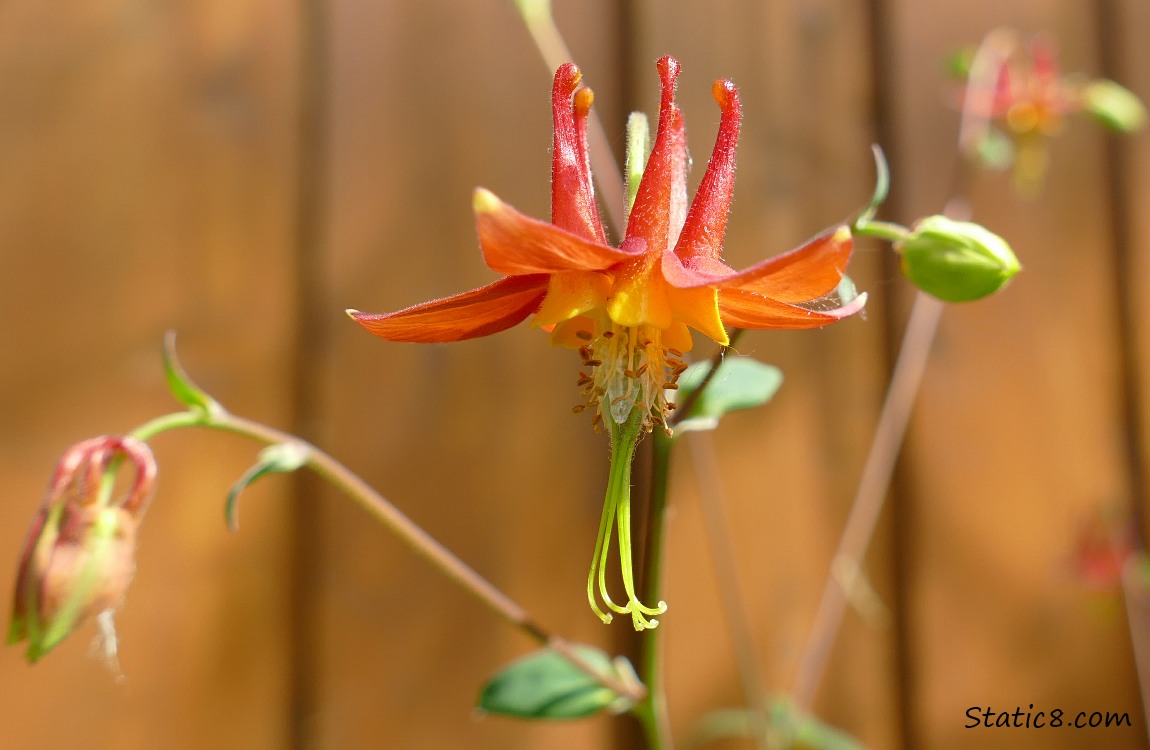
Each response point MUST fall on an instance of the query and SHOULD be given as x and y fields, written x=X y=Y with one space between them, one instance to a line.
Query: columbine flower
x=628 y=309
x=80 y=552
x=1022 y=91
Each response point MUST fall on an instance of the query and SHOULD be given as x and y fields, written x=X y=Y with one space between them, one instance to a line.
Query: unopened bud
x=1114 y=105
x=956 y=261
x=80 y=552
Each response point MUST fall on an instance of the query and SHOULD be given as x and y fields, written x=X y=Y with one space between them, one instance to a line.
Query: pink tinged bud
x=80 y=552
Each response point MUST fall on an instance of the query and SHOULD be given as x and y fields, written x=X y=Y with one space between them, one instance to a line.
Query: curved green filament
x=602 y=545
x=617 y=514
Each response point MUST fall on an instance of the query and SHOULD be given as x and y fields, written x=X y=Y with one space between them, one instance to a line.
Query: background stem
x=708 y=479
x=871 y=493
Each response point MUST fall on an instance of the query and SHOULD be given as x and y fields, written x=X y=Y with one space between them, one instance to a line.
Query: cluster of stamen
x=627 y=368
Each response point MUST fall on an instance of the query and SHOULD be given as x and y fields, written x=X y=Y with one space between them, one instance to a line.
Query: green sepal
x=741 y=383
x=545 y=685
x=181 y=386
x=281 y=458
x=786 y=726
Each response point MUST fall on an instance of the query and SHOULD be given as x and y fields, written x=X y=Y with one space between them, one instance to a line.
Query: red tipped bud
x=80 y=552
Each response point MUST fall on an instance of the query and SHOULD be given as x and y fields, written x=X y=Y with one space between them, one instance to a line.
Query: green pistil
x=617 y=514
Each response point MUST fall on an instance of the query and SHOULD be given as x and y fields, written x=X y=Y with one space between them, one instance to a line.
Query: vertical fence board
x=147 y=179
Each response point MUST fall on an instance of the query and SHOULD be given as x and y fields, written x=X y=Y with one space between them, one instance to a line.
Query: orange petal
x=745 y=309
x=515 y=244
x=480 y=312
x=805 y=273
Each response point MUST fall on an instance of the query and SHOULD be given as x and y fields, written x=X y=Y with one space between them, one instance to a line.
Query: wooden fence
x=243 y=170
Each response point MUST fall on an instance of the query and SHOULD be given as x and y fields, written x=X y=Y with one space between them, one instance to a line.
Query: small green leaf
x=545 y=685
x=282 y=458
x=181 y=386
x=740 y=383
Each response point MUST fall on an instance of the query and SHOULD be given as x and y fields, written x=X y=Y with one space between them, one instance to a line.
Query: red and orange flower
x=628 y=309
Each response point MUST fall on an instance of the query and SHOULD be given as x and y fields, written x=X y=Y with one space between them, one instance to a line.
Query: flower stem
x=883 y=230
x=418 y=540
x=652 y=711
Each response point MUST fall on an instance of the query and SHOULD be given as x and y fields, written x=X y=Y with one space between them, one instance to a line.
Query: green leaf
x=282 y=458
x=740 y=383
x=181 y=386
x=545 y=685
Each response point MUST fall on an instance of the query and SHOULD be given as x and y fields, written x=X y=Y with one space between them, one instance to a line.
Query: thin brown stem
x=870 y=495
x=395 y=521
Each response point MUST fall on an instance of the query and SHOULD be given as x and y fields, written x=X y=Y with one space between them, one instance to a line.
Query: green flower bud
x=956 y=261
x=1113 y=105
